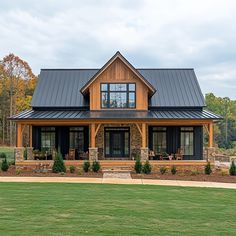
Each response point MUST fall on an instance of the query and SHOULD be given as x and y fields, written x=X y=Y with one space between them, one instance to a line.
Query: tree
x=17 y=83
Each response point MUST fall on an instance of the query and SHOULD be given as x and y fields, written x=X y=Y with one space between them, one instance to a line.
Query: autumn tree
x=17 y=84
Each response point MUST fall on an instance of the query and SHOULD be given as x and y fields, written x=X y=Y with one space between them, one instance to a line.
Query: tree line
x=225 y=129
x=17 y=84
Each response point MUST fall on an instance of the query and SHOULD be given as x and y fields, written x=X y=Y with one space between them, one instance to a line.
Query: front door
x=117 y=142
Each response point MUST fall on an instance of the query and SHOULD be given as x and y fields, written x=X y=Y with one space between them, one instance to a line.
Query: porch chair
x=71 y=154
x=179 y=155
x=151 y=154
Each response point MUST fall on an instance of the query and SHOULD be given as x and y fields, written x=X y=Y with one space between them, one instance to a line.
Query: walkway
x=118 y=181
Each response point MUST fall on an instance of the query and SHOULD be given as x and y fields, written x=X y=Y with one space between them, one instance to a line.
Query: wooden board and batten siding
x=118 y=72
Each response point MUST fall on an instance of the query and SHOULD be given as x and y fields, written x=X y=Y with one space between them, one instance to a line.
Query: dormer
x=118 y=85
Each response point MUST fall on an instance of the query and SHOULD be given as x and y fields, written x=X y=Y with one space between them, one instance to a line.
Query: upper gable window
x=118 y=95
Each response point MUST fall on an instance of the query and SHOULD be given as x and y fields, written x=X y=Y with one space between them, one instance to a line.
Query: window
x=186 y=140
x=48 y=137
x=118 y=96
x=159 y=139
x=77 y=138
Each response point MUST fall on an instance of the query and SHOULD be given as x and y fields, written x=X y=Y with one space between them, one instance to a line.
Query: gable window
x=118 y=95
x=186 y=140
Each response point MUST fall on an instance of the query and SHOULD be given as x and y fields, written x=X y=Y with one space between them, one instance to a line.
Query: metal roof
x=61 y=87
x=132 y=115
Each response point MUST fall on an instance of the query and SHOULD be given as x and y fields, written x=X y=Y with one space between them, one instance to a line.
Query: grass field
x=90 y=209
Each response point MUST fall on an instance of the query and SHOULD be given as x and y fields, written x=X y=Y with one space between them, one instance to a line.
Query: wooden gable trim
x=130 y=66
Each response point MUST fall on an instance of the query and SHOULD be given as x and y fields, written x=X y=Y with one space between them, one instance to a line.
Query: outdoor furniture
x=151 y=154
x=171 y=156
x=83 y=155
x=179 y=155
x=71 y=154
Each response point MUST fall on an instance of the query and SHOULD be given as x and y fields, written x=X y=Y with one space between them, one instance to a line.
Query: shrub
x=5 y=165
x=232 y=169
x=208 y=169
x=18 y=171
x=86 y=166
x=58 y=165
x=96 y=166
x=72 y=169
x=173 y=170
x=138 y=166
x=3 y=155
x=163 y=170
x=147 y=168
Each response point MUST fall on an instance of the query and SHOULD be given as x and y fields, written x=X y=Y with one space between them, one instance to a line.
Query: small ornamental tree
x=138 y=166
x=86 y=166
x=5 y=165
x=208 y=169
x=232 y=169
x=147 y=168
x=58 y=165
x=96 y=166
x=163 y=170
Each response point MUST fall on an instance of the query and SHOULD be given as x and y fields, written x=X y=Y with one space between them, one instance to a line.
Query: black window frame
x=187 y=129
x=127 y=92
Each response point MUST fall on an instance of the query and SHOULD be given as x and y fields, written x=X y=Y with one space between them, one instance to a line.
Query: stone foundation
x=19 y=154
x=30 y=153
x=93 y=154
x=144 y=154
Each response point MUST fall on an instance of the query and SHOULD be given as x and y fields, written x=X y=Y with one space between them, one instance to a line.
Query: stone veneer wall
x=135 y=138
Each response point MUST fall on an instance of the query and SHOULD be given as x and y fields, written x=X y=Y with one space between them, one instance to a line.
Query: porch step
x=117 y=169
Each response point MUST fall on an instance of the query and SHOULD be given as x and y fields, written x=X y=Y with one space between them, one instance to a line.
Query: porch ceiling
x=116 y=114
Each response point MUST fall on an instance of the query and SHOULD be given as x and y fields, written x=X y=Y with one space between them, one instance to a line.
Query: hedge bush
x=96 y=166
x=163 y=170
x=208 y=169
x=3 y=155
x=138 y=166
x=147 y=168
x=72 y=169
x=232 y=169
x=86 y=166
x=4 y=166
x=173 y=170
x=58 y=165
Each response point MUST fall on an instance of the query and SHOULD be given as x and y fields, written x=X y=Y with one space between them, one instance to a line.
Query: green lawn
x=95 y=209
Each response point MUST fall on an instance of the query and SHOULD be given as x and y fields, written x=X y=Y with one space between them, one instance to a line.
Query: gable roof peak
x=128 y=64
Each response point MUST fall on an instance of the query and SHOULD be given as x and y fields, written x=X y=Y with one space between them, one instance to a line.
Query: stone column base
x=30 y=153
x=19 y=154
x=210 y=153
x=93 y=154
x=144 y=154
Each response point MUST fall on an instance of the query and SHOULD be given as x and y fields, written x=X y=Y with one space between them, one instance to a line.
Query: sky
x=199 y=34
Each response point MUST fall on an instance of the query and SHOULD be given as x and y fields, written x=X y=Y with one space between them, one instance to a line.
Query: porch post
x=144 y=148
x=19 y=150
x=93 y=150
x=210 y=128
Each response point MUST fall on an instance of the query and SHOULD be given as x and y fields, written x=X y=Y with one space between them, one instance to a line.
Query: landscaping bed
x=14 y=171
x=215 y=177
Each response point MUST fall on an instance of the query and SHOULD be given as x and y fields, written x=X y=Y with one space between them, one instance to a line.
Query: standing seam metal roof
x=61 y=87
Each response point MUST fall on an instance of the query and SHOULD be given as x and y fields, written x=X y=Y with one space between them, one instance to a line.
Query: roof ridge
x=43 y=69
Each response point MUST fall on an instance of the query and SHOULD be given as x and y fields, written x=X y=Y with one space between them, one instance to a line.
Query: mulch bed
x=214 y=177
x=30 y=173
x=187 y=176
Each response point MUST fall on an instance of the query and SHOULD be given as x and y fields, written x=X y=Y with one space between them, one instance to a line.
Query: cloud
x=150 y=33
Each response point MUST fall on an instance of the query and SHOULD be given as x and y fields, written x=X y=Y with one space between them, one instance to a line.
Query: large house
x=117 y=112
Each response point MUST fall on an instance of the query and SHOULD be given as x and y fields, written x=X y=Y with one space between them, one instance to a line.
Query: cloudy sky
x=157 y=34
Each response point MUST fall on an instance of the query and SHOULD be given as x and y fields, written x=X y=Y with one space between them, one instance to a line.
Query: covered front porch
x=111 y=140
